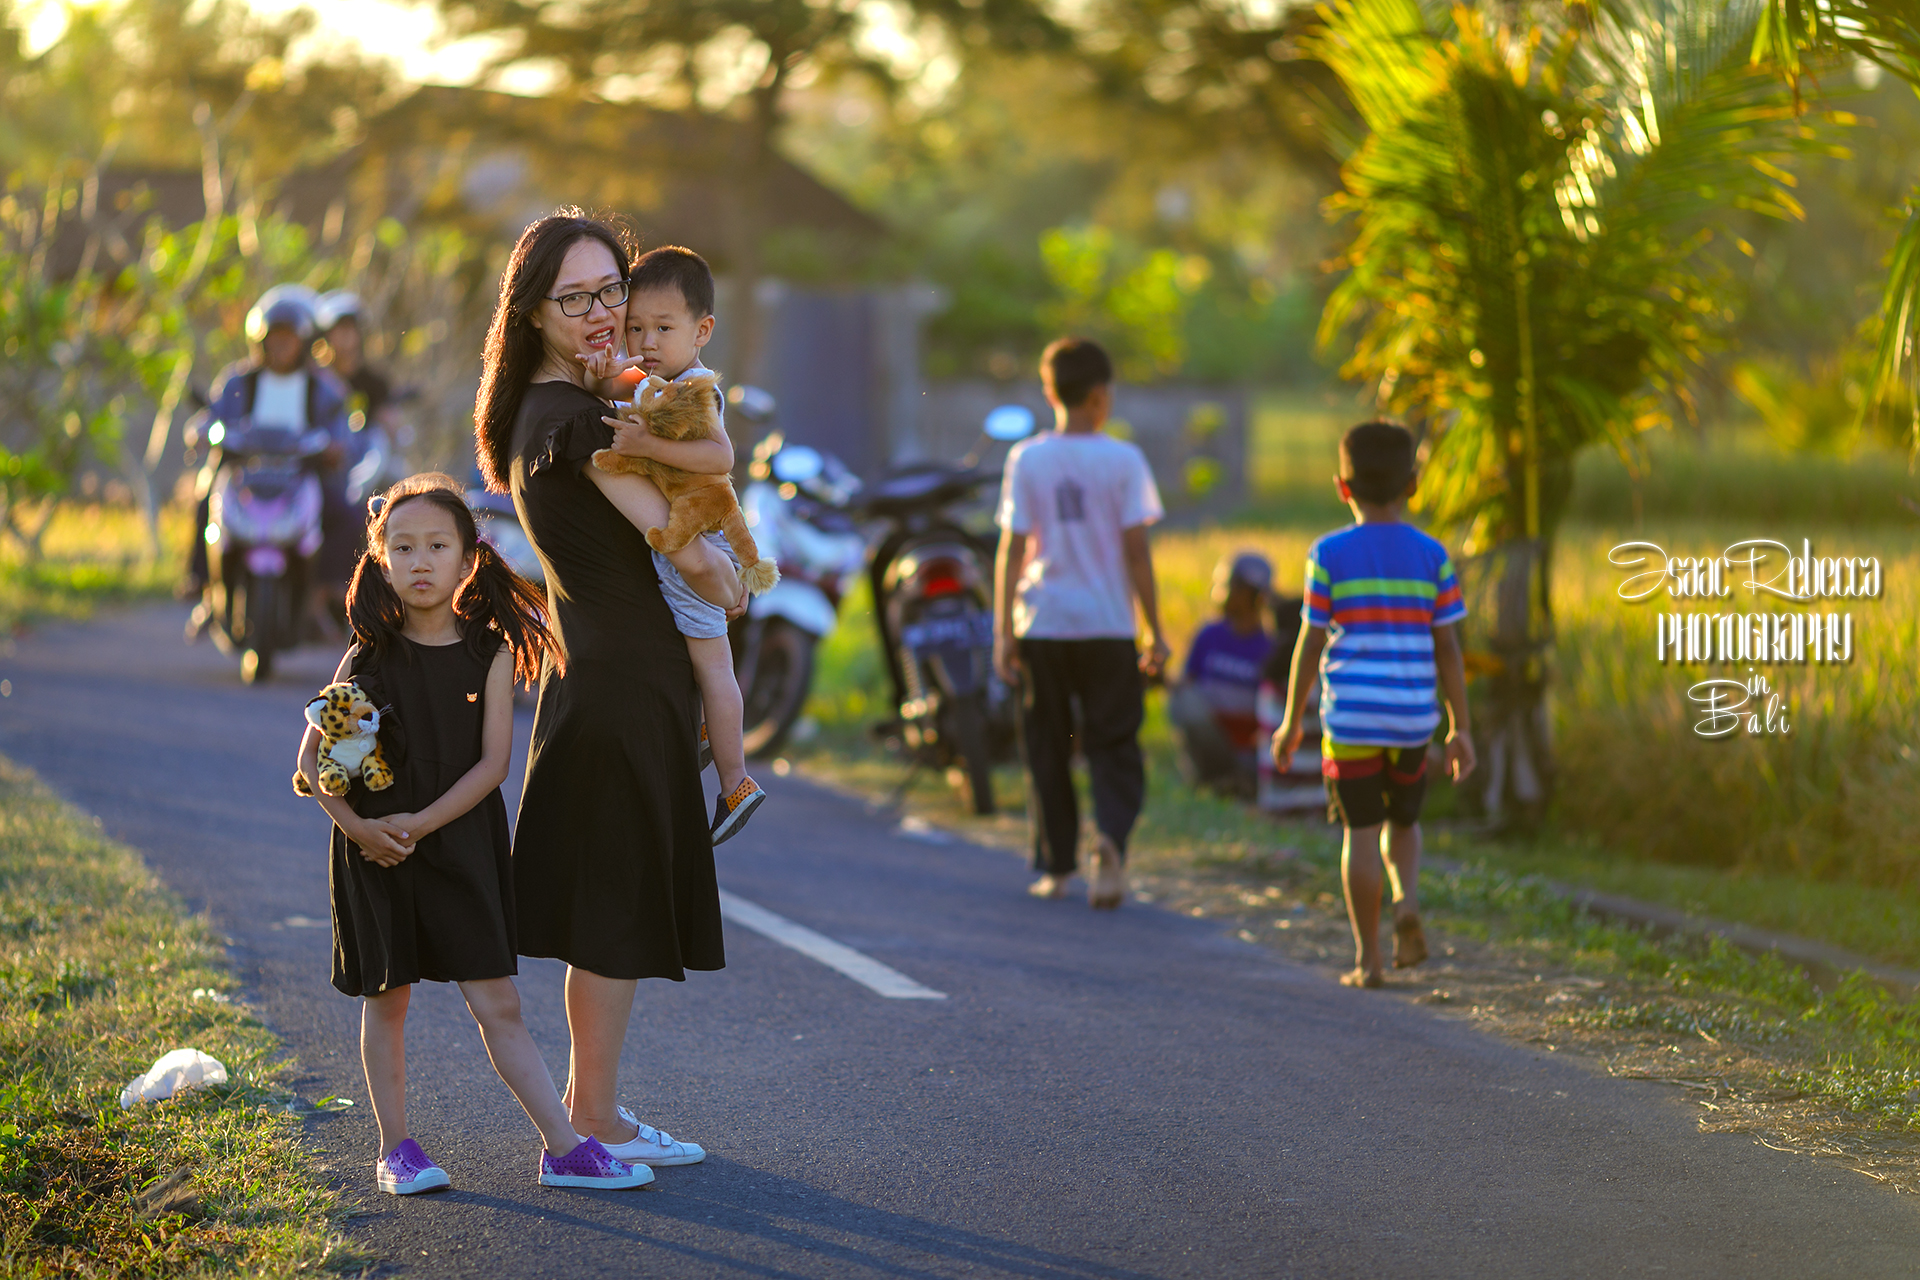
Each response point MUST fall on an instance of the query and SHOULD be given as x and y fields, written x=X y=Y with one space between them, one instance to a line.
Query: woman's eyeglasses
x=575 y=305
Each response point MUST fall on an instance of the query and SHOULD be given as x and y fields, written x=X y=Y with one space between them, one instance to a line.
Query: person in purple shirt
x=1213 y=707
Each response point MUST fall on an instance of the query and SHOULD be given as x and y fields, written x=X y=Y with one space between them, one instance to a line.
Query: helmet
x=335 y=306
x=290 y=304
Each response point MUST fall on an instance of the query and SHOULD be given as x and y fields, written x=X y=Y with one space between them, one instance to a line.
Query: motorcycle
x=797 y=507
x=376 y=456
x=932 y=581
x=500 y=526
x=263 y=528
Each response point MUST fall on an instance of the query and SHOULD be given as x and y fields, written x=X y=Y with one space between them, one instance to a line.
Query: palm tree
x=1533 y=268
x=1793 y=34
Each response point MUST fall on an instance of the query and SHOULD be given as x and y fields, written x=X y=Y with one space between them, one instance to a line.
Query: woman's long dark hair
x=513 y=351
x=493 y=604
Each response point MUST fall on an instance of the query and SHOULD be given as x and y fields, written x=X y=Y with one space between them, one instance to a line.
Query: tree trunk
x=1516 y=759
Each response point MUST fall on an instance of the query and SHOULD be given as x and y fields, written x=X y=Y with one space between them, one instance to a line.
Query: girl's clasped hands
x=385 y=842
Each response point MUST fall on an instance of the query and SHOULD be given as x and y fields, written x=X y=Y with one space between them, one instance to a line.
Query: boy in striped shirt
x=1381 y=605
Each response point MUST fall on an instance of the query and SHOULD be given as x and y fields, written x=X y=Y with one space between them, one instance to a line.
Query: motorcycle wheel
x=782 y=669
x=263 y=604
x=967 y=725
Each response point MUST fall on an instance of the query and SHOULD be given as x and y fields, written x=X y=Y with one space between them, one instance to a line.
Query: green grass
x=1875 y=921
x=93 y=554
x=101 y=971
x=1738 y=475
x=1856 y=1047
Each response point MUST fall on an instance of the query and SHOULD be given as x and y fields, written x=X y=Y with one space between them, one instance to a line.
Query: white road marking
x=863 y=969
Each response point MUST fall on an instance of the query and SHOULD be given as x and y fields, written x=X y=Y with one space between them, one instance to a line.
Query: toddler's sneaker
x=589 y=1165
x=706 y=746
x=654 y=1146
x=406 y=1171
x=730 y=813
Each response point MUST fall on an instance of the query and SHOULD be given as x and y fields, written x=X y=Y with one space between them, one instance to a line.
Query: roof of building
x=494 y=162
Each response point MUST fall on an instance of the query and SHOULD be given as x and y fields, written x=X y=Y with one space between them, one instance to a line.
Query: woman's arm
x=496 y=753
x=704 y=566
x=711 y=455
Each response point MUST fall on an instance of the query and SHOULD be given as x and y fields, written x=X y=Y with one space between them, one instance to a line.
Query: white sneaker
x=653 y=1146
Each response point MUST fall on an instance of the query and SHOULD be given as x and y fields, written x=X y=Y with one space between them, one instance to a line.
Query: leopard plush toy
x=687 y=409
x=349 y=726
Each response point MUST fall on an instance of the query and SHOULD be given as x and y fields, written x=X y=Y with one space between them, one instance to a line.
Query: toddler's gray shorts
x=697 y=619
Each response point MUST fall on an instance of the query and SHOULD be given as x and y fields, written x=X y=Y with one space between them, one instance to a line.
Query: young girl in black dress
x=422 y=883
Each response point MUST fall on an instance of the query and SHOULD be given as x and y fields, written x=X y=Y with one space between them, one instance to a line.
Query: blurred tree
x=1799 y=36
x=133 y=73
x=1534 y=268
x=1231 y=72
x=1018 y=149
x=65 y=373
x=744 y=56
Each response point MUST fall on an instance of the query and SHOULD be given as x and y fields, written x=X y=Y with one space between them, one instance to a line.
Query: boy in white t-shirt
x=1074 y=509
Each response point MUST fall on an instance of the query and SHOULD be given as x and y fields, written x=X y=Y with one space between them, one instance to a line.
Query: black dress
x=445 y=913
x=612 y=861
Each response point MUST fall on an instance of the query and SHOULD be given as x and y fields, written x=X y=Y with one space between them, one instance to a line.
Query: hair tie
x=375 y=505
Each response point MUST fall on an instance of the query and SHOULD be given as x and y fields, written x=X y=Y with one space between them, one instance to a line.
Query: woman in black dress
x=613 y=865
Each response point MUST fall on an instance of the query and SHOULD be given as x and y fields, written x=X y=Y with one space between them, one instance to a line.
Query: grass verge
x=92 y=554
x=101 y=971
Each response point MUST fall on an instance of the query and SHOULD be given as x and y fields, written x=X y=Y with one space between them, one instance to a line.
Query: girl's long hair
x=513 y=352
x=493 y=604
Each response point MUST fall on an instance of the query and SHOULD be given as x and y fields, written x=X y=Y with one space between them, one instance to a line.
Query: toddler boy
x=669 y=318
x=1386 y=594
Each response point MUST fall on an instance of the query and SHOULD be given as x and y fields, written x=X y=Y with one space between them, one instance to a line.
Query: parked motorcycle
x=376 y=457
x=798 y=508
x=263 y=527
x=499 y=525
x=932 y=581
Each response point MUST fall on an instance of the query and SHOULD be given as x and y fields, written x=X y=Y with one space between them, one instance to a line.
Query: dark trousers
x=1101 y=680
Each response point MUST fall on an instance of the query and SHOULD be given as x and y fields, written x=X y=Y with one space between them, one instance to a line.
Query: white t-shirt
x=1072 y=495
x=280 y=399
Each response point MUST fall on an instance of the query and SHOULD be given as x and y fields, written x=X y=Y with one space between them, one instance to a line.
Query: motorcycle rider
x=276 y=385
x=341 y=351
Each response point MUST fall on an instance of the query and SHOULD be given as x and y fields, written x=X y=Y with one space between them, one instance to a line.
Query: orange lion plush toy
x=688 y=409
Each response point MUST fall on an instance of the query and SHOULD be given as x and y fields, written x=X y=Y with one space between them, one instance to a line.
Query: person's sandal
x=1409 y=941
x=1361 y=978
x=1049 y=886
x=1107 y=877
x=706 y=746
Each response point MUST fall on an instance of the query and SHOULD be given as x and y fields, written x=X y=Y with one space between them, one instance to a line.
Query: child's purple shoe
x=405 y=1170
x=589 y=1165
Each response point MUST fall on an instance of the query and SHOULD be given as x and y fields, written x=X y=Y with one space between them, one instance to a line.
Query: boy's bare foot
x=1107 y=877
x=1361 y=978
x=1049 y=886
x=1409 y=940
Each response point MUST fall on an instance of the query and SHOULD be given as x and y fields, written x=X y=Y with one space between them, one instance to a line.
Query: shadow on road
x=770 y=1216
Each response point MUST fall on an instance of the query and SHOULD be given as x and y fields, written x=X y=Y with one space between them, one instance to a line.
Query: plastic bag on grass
x=171 y=1073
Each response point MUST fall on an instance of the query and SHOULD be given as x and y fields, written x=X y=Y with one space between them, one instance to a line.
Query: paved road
x=1134 y=1095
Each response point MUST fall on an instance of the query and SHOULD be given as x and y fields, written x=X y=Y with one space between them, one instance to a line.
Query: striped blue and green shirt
x=1380 y=590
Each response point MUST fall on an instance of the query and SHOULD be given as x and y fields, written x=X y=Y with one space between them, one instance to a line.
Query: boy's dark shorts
x=1367 y=786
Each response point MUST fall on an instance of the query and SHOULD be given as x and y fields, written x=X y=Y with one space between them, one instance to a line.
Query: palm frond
x=1530 y=267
